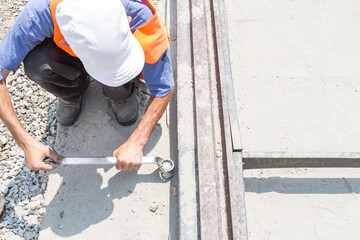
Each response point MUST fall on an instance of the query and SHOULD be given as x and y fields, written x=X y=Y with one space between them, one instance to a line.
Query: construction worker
x=62 y=42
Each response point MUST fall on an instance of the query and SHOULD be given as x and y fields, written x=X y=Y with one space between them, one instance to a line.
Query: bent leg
x=56 y=71
x=121 y=92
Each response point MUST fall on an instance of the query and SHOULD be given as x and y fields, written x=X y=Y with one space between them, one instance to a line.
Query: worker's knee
x=38 y=73
x=120 y=92
x=36 y=65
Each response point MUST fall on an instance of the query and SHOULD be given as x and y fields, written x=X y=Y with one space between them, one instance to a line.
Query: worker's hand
x=35 y=153
x=128 y=156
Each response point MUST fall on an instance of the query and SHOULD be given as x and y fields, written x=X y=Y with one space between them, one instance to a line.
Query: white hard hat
x=98 y=32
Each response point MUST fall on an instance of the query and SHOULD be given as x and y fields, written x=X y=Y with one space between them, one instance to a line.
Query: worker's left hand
x=128 y=156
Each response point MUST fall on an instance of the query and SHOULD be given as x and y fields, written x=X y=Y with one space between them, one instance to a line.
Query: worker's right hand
x=35 y=153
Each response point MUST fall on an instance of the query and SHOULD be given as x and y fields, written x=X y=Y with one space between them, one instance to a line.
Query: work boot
x=68 y=111
x=126 y=110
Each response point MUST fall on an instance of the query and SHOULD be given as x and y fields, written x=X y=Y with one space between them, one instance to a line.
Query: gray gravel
x=22 y=188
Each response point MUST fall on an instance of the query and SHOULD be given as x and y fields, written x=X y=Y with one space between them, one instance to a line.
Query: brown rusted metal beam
x=230 y=127
x=210 y=221
x=225 y=72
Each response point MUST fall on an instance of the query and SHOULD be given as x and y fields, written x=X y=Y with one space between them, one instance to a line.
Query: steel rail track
x=211 y=225
x=208 y=180
x=230 y=126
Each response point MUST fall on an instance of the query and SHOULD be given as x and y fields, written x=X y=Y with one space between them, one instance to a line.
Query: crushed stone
x=21 y=188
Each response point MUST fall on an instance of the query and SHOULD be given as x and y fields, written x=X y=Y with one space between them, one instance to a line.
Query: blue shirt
x=34 y=24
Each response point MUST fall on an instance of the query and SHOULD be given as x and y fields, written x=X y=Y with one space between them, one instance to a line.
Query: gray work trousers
x=63 y=75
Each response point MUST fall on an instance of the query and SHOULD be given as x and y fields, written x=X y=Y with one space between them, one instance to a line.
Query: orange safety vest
x=153 y=36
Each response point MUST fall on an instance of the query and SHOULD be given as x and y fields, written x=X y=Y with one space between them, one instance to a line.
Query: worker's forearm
x=155 y=108
x=8 y=115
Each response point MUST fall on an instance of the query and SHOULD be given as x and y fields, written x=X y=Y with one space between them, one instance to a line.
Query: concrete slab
x=296 y=77
x=302 y=204
x=296 y=74
x=92 y=202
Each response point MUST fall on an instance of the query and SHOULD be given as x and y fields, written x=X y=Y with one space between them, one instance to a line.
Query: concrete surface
x=296 y=74
x=97 y=202
x=303 y=204
x=297 y=78
x=92 y=202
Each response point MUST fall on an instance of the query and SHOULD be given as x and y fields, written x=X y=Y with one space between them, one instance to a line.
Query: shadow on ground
x=92 y=202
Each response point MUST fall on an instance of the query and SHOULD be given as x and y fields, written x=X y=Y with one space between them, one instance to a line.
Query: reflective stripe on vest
x=153 y=36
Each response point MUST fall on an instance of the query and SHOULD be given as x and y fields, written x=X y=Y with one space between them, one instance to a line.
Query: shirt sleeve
x=31 y=27
x=159 y=76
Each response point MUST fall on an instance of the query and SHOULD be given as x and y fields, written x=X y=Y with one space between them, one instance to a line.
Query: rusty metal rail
x=208 y=184
x=230 y=127
x=211 y=216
